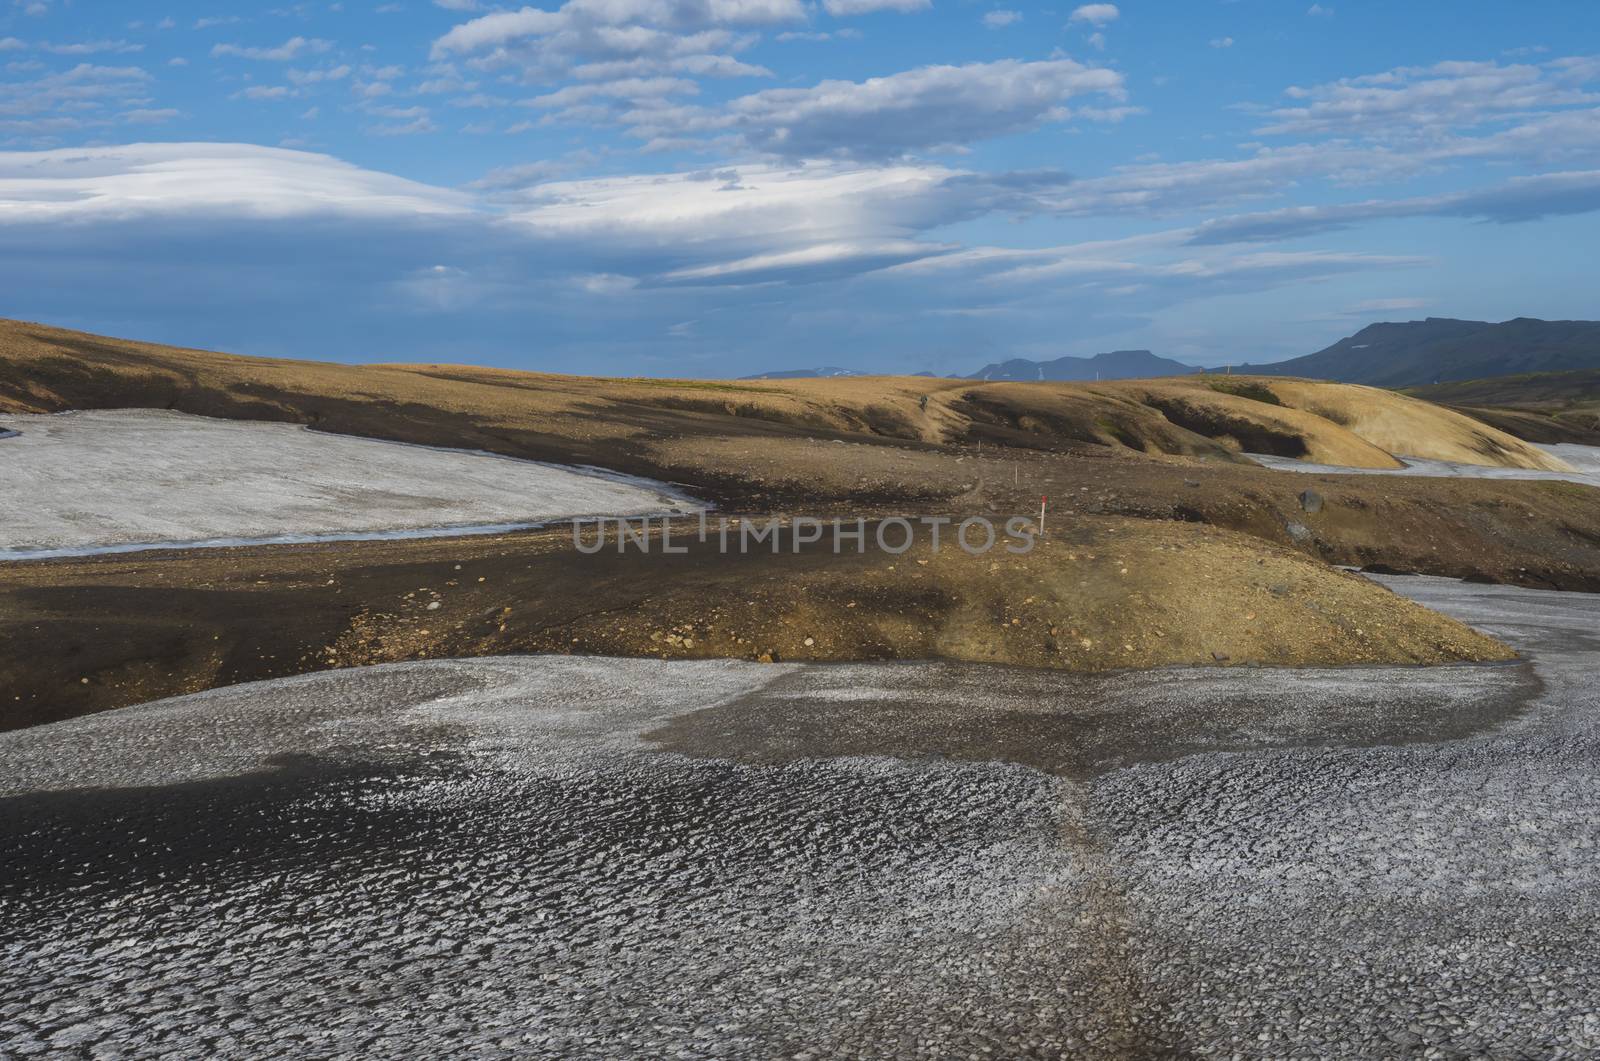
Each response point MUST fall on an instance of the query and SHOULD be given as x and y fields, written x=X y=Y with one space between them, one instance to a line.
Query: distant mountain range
x=1412 y=354
x=807 y=373
x=1442 y=350
x=1118 y=364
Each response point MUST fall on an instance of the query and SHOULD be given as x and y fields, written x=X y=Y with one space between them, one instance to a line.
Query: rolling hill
x=1542 y=407
x=653 y=427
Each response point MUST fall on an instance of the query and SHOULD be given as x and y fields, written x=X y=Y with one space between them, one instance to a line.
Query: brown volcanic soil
x=1100 y=593
x=1224 y=559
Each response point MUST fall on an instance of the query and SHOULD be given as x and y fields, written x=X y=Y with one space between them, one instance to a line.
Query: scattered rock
x=1311 y=501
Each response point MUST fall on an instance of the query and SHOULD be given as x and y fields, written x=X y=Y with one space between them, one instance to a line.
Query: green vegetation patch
x=1256 y=392
x=1563 y=488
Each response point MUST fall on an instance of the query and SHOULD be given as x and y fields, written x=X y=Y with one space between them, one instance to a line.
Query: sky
x=724 y=187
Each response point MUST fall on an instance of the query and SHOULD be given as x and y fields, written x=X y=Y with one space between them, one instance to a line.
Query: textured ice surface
x=610 y=858
x=1584 y=460
x=110 y=480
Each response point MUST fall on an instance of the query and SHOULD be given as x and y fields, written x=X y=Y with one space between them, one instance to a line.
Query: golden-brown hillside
x=614 y=421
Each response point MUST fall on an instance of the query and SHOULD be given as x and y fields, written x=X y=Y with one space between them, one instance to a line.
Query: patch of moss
x=1116 y=431
x=1564 y=488
x=1256 y=392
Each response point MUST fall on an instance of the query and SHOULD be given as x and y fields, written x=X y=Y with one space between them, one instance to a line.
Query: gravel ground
x=581 y=857
x=1584 y=460
x=1428 y=899
x=110 y=480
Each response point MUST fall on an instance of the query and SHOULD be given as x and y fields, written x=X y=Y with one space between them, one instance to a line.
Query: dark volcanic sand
x=511 y=856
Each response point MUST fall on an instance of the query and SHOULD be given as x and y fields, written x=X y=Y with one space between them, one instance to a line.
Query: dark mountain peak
x=1114 y=364
x=806 y=373
x=1443 y=349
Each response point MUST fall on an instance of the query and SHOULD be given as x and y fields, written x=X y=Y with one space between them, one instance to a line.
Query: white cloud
x=602 y=20
x=1379 y=306
x=606 y=283
x=814 y=262
x=1449 y=94
x=845 y=8
x=503 y=179
x=150 y=115
x=670 y=60
x=1517 y=200
x=91 y=47
x=748 y=223
x=196 y=180
x=264 y=92
x=289 y=49
x=498 y=30
x=610 y=40
x=625 y=89
x=312 y=77
x=603 y=265
x=404 y=121
x=1096 y=14
x=1318 y=11
x=1001 y=18
x=1222 y=42
x=440 y=287
x=70 y=100
x=883 y=118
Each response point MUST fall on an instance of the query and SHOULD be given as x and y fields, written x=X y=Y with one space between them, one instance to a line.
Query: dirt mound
x=1101 y=594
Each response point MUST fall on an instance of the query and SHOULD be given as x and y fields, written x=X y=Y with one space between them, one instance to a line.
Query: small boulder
x=1311 y=501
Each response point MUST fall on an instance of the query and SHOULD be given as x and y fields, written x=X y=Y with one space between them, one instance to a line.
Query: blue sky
x=721 y=187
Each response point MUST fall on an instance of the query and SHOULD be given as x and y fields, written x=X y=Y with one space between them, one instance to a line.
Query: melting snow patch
x=1585 y=460
x=124 y=480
